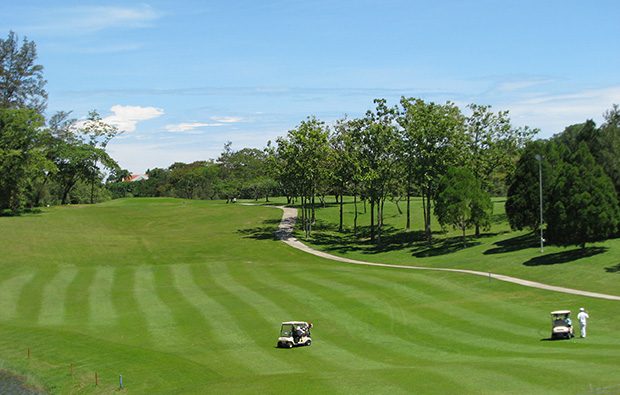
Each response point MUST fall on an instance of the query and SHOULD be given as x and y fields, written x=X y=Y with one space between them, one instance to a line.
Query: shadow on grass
x=565 y=256
x=329 y=238
x=444 y=247
x=613 y=269
x=513 y=244
x=265 y=232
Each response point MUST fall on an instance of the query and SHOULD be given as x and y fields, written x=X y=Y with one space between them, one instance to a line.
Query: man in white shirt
x=583 y=320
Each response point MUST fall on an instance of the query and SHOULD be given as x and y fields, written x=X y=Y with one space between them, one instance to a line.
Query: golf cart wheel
x=308 y=342
x=289 y=345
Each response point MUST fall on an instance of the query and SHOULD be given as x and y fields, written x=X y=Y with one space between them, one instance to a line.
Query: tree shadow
x=265 y=232
x=613 y=269
x=444 y=247
x=513 y=244
x=565 y=256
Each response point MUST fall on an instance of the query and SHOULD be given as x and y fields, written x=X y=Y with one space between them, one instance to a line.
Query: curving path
x=285 y=231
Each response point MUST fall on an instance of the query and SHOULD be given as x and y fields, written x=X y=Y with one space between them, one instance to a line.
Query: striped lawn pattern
x=212 y=327
x=369 y=324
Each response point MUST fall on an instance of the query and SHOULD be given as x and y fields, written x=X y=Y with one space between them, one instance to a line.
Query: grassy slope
x=186 y=297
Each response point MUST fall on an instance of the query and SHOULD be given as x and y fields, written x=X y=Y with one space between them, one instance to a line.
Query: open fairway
x=186 y=297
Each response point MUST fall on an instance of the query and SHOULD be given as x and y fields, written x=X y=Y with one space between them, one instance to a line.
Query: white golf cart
x=294 y=333
x=561 y=326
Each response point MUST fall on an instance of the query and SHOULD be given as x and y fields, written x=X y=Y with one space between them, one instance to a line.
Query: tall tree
x=346 y=170
x=21 y=80
x=435 y=138
x=523 y=199
x=493 y=144
x=301 y=157
x=98 y=134
x=585 y=205
x=376 y=137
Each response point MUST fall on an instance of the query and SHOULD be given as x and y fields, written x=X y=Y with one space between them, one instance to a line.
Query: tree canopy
x=21 y=80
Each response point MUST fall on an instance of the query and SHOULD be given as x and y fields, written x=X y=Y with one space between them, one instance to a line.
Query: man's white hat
x=582 y=309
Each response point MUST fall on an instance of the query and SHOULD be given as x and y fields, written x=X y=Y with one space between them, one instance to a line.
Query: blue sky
x=182 y=78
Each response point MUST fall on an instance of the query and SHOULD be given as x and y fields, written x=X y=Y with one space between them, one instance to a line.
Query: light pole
x=542 y=240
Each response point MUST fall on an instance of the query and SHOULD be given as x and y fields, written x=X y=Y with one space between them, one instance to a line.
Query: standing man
x=583 y=320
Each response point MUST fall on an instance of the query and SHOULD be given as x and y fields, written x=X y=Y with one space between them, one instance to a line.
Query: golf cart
x=561 y=327
x=294 y=333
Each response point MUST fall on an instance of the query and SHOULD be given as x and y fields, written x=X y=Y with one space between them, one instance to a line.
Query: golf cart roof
x=560 y=312
x=295 y=323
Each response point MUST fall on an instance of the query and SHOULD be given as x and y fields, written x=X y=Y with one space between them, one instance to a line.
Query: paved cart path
x=285 y=231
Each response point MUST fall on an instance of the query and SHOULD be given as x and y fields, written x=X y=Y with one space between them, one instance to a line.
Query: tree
x=21 y=80
x=74 y=163
x=462 y=202
x=99 y=134
x=585 y=205
x=434 y=134
x=523 y=199
x=77 y=152
x=301 y=162
x=375 y=137
x=21 y=155
x=246 y=170
x=606 y=145
x=346 y=170
x=492 y=142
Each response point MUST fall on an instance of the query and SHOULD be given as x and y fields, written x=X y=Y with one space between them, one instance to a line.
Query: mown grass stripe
x=53 y=303
x=213 y=316
x=102 y=310
x=345 y=330
x=451 y=318
x=241 y=281
x=233 y=310
x=332 y=355
x=30 y=299
x=76 y=303
x=409 y=316
x=131 y=326
x=159 y=319
x=10 y=291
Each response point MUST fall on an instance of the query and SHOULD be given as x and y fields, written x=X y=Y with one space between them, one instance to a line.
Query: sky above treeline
x=181 y=78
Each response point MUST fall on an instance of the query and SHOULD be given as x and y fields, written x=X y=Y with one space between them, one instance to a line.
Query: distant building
x=136 y=177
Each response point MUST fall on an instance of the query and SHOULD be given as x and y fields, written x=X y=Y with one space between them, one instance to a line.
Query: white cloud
x=126 y=117
x=228 y=119
x=189 y=127
x=89 y=19
x=553 y=113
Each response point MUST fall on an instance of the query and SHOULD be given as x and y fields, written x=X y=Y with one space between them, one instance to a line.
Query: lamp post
x=542 y=240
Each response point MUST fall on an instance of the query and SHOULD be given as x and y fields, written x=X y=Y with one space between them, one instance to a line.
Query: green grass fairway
x=186 y=297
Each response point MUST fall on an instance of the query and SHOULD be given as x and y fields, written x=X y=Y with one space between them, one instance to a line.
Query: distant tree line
x=235 y=175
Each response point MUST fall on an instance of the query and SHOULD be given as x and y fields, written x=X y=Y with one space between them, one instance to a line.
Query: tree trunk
x=355 y=215
x=372 y=219
x=426 y=203
x=408 y=211
x=380 y=204
x=341 y=212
